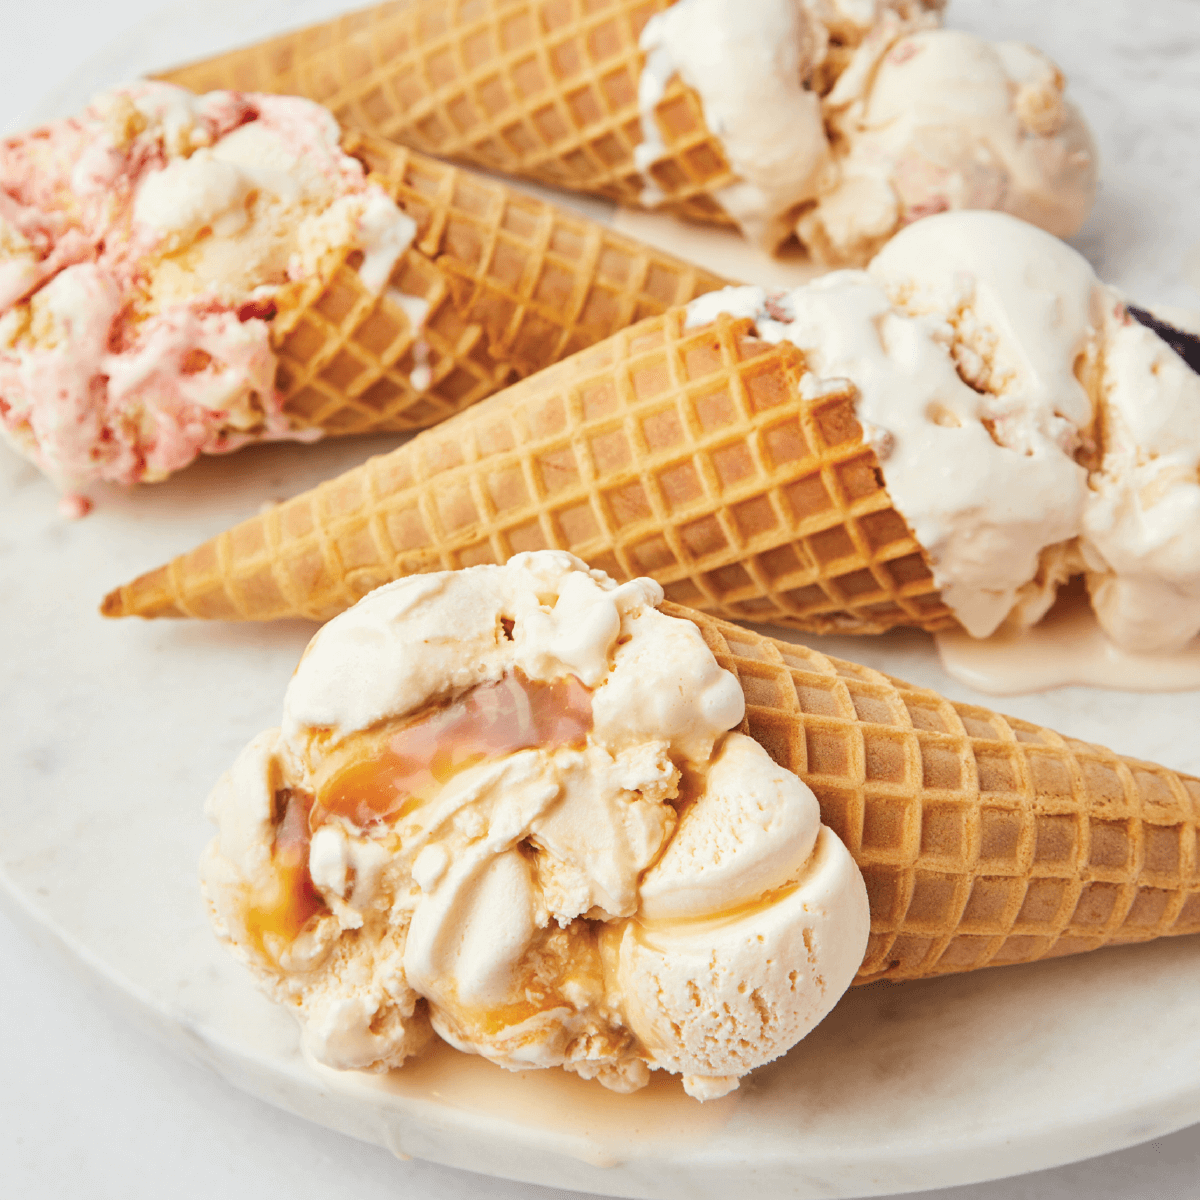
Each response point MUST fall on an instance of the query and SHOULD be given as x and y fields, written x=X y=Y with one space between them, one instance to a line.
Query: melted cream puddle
x=553 y=1100
x=1066 y=647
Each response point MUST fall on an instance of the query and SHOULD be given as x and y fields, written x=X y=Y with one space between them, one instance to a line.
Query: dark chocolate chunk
x=1186 y=345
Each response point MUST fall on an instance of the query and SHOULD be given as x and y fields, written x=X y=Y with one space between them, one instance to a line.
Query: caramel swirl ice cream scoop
x=510 y=804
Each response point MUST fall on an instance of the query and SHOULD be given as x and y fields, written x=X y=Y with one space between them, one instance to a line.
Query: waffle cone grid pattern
x=512 y=284
x=693 y=456
x=547 y=89
x=982 y=839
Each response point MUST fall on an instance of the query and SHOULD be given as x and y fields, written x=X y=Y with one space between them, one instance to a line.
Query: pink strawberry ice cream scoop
x=142 y=245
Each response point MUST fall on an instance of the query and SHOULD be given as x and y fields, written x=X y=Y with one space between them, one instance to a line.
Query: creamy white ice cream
x=507 y=801
x=142 y=246
x=752 y=77
x=1141 y=525
x=943 y=120
x=1026 y=426
x=846 y=121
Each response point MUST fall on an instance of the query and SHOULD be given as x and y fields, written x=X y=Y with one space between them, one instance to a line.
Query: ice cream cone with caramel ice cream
x=183 y=274
x=830 y=121
x=939 y=441
x=561 y=823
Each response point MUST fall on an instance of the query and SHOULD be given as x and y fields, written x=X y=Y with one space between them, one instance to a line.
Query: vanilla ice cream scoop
x=1027 y=426
x=752 y=77
x=1141 y=525
x=508 y=803
x=142 y=247
x=844 y=122
x=944 y=120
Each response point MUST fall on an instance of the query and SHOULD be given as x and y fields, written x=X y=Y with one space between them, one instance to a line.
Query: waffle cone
x=512 y=284
x=545 y=89
x=695 y=456
x=982 y=839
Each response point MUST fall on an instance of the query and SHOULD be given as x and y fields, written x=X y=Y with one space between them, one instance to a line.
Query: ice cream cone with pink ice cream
x=941 y=441
x=183 y=274
x=828 y=122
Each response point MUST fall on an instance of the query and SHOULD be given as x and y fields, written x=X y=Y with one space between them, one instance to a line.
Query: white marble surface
x=94 y=1107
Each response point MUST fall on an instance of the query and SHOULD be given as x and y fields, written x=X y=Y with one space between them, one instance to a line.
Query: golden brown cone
x=546 y=89
x=512 y=284
x=983 y=839
x=693 y=455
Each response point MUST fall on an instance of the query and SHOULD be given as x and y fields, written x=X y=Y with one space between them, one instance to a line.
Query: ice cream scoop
x=835 y=120
x=1099 y=401
x=233 y=267
x=938 y=120
x=940 y=441
x=508 y=801
x=147 y=242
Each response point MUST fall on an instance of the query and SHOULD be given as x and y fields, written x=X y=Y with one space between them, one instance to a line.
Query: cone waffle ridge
x=547 y=89
x=983 y=839
x=512 y=284
x=687 y=454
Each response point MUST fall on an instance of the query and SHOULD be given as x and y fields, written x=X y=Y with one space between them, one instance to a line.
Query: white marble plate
x=115 y=732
